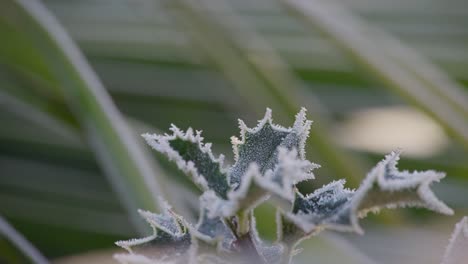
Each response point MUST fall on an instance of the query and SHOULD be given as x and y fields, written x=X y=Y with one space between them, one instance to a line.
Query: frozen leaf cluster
x=269 y=162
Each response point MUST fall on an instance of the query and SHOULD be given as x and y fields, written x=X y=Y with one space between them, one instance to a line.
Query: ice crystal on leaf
x=269 y=162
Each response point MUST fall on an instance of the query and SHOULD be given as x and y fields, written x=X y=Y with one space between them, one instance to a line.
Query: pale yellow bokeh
x=381 y=130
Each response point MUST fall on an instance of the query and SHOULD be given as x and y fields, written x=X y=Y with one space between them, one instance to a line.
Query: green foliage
x=269 y=162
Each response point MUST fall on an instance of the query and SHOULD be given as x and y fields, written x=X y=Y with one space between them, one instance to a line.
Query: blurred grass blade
x=291 y=91
x=20 y=99
x=353 y=35
x=35 y=115
x=21 y=243
x=119 y=154
x=259 y=74
x=222 y=55
x=433 y=77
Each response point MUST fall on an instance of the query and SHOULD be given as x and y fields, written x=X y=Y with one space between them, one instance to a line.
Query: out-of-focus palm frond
x=204 y=63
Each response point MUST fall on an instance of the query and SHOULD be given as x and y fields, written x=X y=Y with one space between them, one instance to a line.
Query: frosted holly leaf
x=214 y=230
x=290 y=170
x=308 y=212
x=193 y=157
x=269 y=162
x=321 y=205
x=269 y=159
x=457 y=249
x=260 y=144
x=338 y=208
x=256 y=188
x=170 y=240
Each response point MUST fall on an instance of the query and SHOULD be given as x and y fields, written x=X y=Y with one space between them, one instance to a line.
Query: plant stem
x=243 y=225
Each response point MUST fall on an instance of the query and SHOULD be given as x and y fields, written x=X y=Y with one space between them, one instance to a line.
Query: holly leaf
x=214 y=230
x=290 y=170
x=338 y=208
x=269 y=161
x=260 y=144
x=193 y=157
x=170 y=241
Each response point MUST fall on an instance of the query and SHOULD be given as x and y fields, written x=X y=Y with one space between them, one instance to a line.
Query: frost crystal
x=269 y=162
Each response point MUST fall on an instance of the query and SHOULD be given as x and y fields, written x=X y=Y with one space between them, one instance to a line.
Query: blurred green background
x=375 y=76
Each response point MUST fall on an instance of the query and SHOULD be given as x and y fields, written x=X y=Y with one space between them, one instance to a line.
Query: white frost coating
x=386 y=178
x=339 y=183
x=189 y=256
x=168 y=222
x=223 y=237
x=218 y=207
x=290 y=170
x=300 y=219
x=301 y=127
x=280 y=182
x=269 y=162
x=457 y=249
x=294 y=170
x=244 y=129
x=161 y=144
